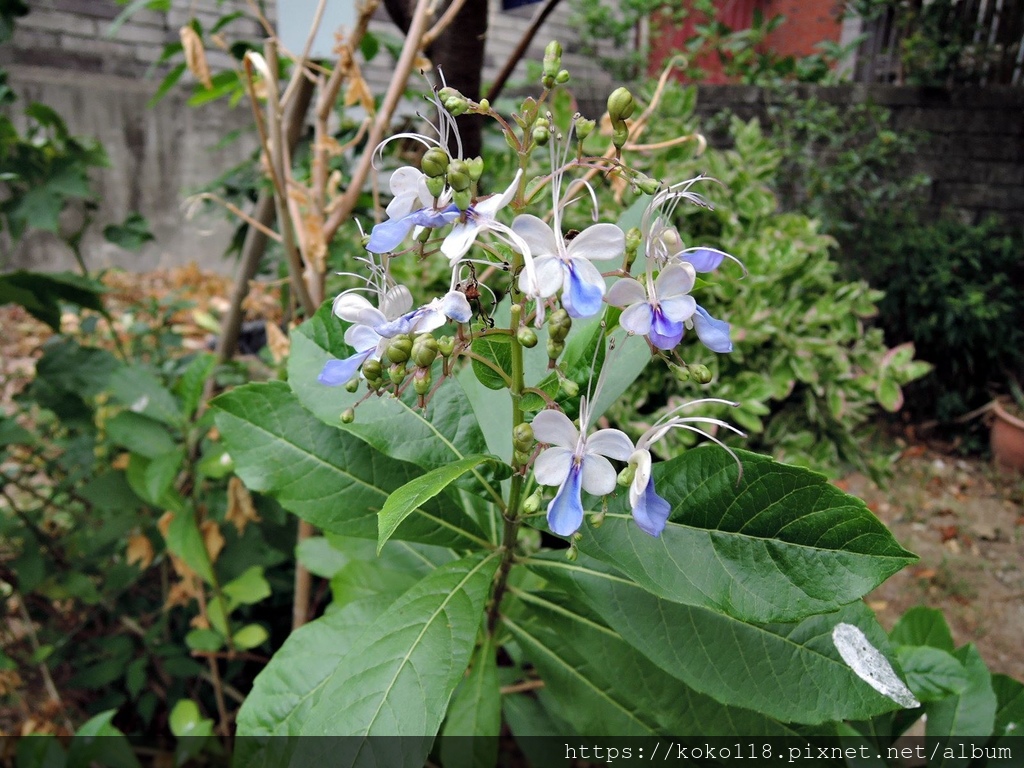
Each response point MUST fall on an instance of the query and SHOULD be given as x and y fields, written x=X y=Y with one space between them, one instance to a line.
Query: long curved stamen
x=690 y=403
x=718 y=442
x=655 y=434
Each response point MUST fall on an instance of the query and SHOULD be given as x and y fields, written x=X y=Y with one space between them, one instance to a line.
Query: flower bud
x=348 y=415
x=540 y=136
x=397 y=373
x=620 y=134
x=620 y=104
x=682 y=374
x=421 y=381
x=372 y=369
x=352 y=385
x=531 y=504
x=399 y=348
x=626 y=476
x=424 y=350
x=446 y=345
x=476 y=168
x=522 y=437
x=527 y=337
x=570 y=387
x=485 y=105
x=435 y=186
x=520 y=457
x=457 y=105
x=562 y=77
x=634 y=237
x=552 y=57
x=459 y=177
x=597 y=519
x=700 y=373
x=646 y=184
x=584 y=127
x=435 y=162
x=559 y=325
x=462 y=200
x=571 y=554
x=555 y=348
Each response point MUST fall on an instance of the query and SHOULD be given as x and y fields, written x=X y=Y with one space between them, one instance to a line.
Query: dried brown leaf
x=140 y=551
x=195 y=55
x=241 y=510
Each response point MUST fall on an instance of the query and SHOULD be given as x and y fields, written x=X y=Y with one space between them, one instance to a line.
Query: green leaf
x=185 y=541
x=204 y=640
x=889 y=395
x=40 y=294
x=475 y=711
x=325 y=475
x=248 y=588
x=39 y=752
x=1009 y=707
x=446 y=431
x=189 y=388
x=405 y=500
x=781 y=545
x=791 y=672
x=185 y=720
x=601 y=685
x=971 y=713
x=12 y=433
x=160 y=474
x=140 y=390
x=250 y=636
x=498 y=350
x=98 y=742
x=931 y=673
x=140 y=434
x=923 y=626
x=398 y=677
x=131 y=234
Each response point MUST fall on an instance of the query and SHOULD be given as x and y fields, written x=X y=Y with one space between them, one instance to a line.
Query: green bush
x=808 y=368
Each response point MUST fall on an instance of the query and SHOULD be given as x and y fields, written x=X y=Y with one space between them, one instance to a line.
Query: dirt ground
x=966 y=523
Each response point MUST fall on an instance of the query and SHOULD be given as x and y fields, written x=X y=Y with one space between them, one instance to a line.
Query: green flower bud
x=700 y=373
x=682 y=374
x=646 y=184
x=552 y=57
x=531 y=504
x=620 y=134
x=562 y=77
x=485 y=105
x=446 y=345
x=540 y=136
x=620 y=104
x=456 y=105
x=584 y=127
x=559 y=325
x=435 y=186
x=459 y=177
x=578 y=536
x=527 y=337
x=520 y=457
x=626 y=476
x=435 y=162
x=399 y=348
x=348 y=415
x=555 y=348
x=397 y=373
x=352 y=385
x=522 y=437
x=372 y=370
x=548 y=81
x=570 y=387
x=571 y=554
x=597 y=519
x=421 y=381
x=424 y=350
x=463 y=200
x=476 y=168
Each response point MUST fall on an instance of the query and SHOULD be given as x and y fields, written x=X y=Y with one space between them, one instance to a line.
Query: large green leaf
x=398 y=677
x=41 y=293
x=1010 y=705
x=324 y=475
x=923 y=626
x=445 y=431
x=780 y=545
x=971 y=713
x=475 y=712
x=931 y=673
x=604 y=686
x=404 y=501
x=791 y=672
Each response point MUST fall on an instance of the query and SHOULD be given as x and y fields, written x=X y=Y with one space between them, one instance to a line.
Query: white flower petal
x=675 y=280
x=641 y=458
x=612 y=443
x=550 y=276
x=637 y=318
x=397 y=301
x=598 y=243
x=460 y=240
x=679 y=308
x=554 y=428
x=598 y=475
x=405 y=179
x=552 y=466
x=537 y=235
x=361 y=337
x=350 y=307
x=626 y=291
x=491 y=205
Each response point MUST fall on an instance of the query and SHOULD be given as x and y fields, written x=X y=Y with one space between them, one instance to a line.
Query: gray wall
x=973 y=151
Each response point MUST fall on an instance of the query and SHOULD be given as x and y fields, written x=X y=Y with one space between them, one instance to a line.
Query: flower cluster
x=556 y=275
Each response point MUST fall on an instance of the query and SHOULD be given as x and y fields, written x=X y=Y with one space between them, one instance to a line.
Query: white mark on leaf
x=870 y=665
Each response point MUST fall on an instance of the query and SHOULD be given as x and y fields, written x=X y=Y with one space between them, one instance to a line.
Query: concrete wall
x=974 y=144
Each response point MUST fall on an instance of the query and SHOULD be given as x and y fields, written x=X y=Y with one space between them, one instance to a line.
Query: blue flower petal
x=565 y=512
x=703 y=259
x=651 y=511
x=389 y=234
x=338 y=372
x=713 y=333
x=429 y=217
x=399 y=325
x=664 y=333
x=580 y=298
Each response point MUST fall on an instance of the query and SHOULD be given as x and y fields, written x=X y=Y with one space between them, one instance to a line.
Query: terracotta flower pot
x=1007 y=438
